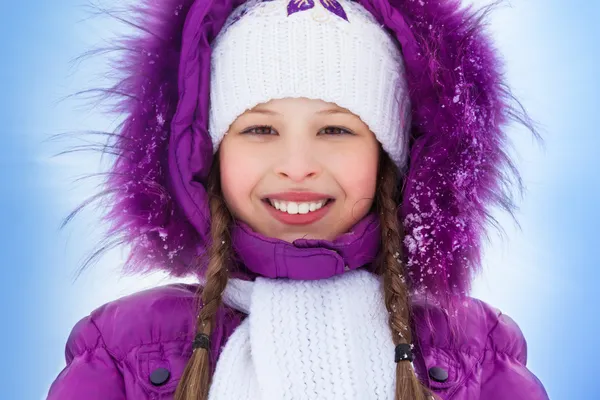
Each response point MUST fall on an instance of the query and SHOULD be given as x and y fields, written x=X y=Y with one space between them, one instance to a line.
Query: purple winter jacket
x=117 y=351
x=121 y=351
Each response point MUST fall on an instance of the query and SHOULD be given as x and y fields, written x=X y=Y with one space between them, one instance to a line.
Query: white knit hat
x=332 y=50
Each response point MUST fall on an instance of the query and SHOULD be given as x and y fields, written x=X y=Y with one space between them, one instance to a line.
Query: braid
x=195 y=381
x=396 y=293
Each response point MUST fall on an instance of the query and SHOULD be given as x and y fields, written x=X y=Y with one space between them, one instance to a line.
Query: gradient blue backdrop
x=544 y=275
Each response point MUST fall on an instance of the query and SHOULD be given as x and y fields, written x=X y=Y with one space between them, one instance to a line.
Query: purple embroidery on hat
x=295 y=6
x=335 y=7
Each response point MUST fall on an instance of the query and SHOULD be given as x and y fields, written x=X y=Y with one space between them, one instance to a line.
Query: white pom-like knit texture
x=267 y=55
x=325 y=339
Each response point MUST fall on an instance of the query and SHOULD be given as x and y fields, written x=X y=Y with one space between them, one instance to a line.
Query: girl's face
x=299 y=168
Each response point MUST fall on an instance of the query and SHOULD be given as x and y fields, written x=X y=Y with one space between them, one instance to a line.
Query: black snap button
x=160 y=376
x=438 y=374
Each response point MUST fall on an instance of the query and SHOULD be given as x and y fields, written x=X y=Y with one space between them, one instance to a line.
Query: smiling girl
x=325 y=168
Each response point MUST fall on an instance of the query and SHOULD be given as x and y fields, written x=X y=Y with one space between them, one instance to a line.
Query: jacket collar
x=307 y=259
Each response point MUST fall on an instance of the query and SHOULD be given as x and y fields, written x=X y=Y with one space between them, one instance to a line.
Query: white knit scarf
x=324 y=339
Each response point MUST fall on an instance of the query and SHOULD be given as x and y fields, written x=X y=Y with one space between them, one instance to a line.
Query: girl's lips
x=298 y=219
x=297 y=196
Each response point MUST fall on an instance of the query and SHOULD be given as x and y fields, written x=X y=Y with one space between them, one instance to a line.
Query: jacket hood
x=457 y=164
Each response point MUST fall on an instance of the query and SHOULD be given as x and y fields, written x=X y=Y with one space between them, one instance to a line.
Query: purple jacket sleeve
x=505 y=375
x=91 y=372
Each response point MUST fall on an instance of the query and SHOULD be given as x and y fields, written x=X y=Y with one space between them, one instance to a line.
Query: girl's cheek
x=360 y=173
x=360 y=158
x=230 y=177
x=240 y=172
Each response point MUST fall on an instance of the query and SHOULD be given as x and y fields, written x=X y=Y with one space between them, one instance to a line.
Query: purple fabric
x=308 y=259
x=143 y=213
x=159 y=205
x=334 y=7
x=112 y=353
x=295 y=6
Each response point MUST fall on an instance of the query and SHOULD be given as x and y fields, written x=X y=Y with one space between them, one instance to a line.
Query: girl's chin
x=291 y=237
x=290 y=234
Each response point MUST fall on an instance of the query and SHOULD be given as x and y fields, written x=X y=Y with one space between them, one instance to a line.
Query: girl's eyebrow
x=334 y=111
x=263 y=111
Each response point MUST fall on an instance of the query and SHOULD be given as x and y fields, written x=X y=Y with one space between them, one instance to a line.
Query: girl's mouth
x=298 y=213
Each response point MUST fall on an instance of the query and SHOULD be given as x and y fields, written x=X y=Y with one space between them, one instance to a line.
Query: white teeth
x=303 y=208
x=292 y=207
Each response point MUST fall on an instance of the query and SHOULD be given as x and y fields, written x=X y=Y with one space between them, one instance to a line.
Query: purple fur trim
x=143 y=212
x=459 y=108
x=295 y=6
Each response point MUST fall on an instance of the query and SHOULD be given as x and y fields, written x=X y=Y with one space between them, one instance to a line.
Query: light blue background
x=544 y=275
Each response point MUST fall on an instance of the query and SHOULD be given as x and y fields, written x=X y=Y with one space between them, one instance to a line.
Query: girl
x=325 y=168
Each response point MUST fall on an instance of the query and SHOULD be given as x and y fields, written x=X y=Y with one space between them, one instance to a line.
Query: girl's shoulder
x=473 y=352
x=153 y=317
x=474 y=327
x=132 y=347
x=159 y=319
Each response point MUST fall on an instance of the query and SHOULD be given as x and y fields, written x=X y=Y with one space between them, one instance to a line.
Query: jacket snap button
x=438 y=374
x=159 y=376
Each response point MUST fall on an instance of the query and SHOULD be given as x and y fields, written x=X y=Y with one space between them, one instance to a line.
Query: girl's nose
x=297 y=163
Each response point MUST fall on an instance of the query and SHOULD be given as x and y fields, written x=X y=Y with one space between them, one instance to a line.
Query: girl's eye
x=336 y=130
x=268 y=130
x=259 y=130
